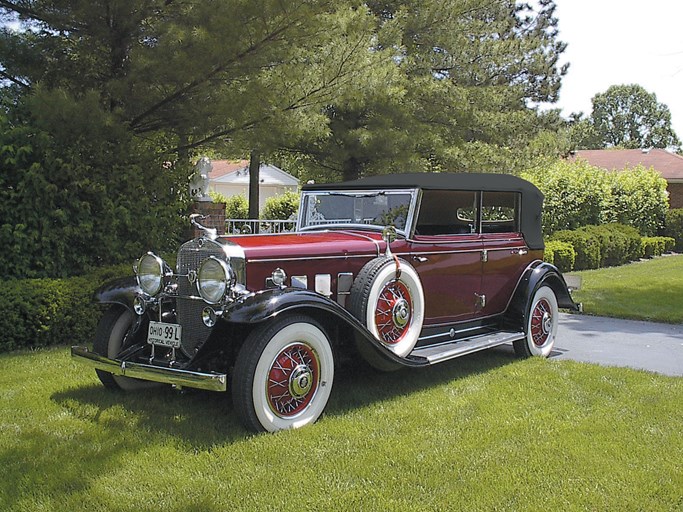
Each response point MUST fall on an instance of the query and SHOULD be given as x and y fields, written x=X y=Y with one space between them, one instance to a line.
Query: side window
x=500 y=212
x=447 y=212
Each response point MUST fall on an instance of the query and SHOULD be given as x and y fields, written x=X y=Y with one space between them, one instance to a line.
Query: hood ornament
x=210 y=233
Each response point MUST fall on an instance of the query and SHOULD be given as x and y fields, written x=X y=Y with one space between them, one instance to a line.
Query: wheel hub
x=401 y=313
x=393 y=312
x=300 y=381
x=547 y=323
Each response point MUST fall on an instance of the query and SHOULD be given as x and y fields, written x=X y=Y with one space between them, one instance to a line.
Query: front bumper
x=180 y=378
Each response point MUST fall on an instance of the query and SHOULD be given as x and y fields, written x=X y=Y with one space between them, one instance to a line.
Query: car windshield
x=347 y=209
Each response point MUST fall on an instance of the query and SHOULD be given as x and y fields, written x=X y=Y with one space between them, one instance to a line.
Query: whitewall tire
x=541 y=325
x=283 y=375
x=391 y=308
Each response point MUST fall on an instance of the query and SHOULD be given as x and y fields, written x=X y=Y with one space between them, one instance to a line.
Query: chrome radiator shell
x=189 y=305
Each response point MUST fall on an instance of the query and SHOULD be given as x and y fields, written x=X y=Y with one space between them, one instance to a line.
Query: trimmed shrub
x=560 y=254
x=282 y=207
x=656 y=245
x=42 y=312
x=673 y=227
x=66 y=208
x=586 y=246
x=619 y=244
x=576 y=194
x=669 y=243
x=236 y=207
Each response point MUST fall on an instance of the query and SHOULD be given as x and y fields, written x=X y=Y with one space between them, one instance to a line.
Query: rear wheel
x=541 y=325
x=283 y=375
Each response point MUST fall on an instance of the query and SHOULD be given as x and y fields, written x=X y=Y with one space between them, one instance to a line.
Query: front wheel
x=111 y=337
x=541 y=325
x=283 y=375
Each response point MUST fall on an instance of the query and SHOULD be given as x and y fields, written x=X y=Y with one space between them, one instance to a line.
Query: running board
x=445 y=351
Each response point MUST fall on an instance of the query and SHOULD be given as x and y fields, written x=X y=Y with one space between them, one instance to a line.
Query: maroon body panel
x=507 y=257
x=452 y=269
x=308 y=254
x=449 y=267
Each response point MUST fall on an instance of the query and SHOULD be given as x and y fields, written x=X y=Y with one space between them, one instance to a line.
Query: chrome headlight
x=150 y=273
x=214 y=279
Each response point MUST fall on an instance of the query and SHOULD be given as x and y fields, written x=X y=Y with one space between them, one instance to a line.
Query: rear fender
x=539 y=273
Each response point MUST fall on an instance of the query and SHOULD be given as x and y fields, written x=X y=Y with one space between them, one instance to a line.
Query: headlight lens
x=214 y=279
x=150 y=273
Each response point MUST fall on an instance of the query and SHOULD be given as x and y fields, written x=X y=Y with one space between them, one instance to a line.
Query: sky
x=617 y=42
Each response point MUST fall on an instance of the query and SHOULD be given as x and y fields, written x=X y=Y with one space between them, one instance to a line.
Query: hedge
x=560 y=254
x=42 y=312
x=656 y=245
x=619 y=244
x=578 y=194
x=586 y=246
x=673 y=227
x=604 y=246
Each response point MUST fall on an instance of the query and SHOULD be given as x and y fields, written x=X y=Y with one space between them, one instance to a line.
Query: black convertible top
x=532 y=198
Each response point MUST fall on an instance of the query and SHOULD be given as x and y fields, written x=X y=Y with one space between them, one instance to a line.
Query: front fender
x=261 y=306
x=118 y=291
x=537 y=274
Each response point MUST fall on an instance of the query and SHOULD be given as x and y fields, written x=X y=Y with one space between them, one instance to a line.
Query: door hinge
x=484 y=255
x=480 y=301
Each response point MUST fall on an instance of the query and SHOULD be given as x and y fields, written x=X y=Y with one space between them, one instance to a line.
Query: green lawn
x=485 y=432
x=646 y=290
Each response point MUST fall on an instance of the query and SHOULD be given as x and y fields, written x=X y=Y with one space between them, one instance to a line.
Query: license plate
x=167 y=335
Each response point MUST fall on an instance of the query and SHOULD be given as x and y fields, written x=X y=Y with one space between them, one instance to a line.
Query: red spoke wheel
x=390 y=303
x=293 y=380
x=541 y=327
x=283 y=374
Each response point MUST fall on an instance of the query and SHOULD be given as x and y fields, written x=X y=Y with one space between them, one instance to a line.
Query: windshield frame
x=412 y=208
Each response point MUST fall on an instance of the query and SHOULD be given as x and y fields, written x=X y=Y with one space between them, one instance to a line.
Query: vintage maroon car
x=405 y=270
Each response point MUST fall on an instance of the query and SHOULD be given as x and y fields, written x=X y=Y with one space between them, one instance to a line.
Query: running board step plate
x=445 y=351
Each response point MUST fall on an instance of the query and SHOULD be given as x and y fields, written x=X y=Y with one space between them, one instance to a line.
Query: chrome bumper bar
x=182 y=378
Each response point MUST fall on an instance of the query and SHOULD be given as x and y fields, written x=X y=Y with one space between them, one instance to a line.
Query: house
x=669 y=165
x=232 y=178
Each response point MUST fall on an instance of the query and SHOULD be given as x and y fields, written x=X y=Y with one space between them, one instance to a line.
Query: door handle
x=521 y=252
x=421 y=259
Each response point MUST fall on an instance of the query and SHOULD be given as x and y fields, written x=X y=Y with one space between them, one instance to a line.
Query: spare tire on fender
x=387 y=297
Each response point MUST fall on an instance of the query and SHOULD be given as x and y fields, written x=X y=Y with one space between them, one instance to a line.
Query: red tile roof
x=669 y=165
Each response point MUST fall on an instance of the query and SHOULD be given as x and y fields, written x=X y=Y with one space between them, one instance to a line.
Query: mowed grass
x=646 y=290
x=485 y=432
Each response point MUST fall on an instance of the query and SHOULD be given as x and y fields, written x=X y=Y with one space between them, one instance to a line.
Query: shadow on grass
x=60 y=455
x=203 y=420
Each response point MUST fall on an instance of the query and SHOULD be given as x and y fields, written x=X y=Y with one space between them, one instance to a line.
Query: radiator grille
x=188 y=304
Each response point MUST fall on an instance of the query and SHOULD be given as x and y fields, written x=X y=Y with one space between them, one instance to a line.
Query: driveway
x=612 y=342
x=645 y=345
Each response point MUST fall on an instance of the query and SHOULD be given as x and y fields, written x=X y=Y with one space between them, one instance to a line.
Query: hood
x=301 y=245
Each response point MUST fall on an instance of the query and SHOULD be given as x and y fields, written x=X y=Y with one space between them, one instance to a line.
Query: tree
x=630 y=117
x=456 y=90
x=122 y=92
x=194 y=73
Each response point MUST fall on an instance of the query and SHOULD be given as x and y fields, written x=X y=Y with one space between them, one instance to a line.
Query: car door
x=446 y=251
x=505 y=252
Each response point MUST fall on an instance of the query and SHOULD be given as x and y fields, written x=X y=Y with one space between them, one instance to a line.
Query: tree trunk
x=351 y=169
x=254 y=165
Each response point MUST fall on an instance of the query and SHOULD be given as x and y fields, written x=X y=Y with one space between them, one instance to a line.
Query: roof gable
x=237 y=172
